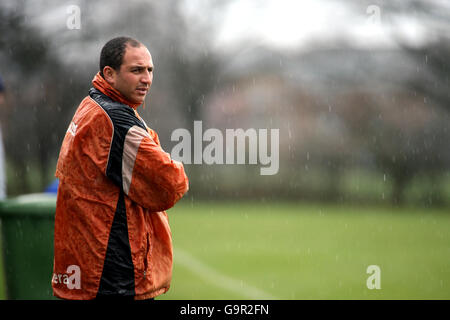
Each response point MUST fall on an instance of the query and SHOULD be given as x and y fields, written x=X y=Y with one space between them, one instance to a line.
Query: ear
x=109 y=74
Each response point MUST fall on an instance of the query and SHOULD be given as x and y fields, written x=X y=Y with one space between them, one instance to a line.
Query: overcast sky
x=285 y=24
x=295 y=24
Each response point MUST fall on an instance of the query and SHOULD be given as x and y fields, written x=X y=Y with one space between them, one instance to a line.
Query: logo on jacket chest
x=72 y=128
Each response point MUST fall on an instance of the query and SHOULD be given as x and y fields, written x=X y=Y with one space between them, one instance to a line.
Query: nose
x=147 y=78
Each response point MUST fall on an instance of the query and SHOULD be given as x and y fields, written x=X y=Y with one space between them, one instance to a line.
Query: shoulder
x=121 y=115
x=90 y=113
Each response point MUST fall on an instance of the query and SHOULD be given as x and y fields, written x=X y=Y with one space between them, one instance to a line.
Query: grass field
x=291 y=251
x=299 y=251
x=2 y=280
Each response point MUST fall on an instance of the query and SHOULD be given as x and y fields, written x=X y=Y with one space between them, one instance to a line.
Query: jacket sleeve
x=149 y=176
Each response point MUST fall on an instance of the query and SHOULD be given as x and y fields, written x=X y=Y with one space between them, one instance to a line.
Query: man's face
x=135 y=76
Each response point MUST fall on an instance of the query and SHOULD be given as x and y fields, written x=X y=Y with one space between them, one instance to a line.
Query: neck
x=101 y=84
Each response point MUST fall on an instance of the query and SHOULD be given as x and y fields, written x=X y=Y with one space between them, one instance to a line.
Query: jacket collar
x=102 y=85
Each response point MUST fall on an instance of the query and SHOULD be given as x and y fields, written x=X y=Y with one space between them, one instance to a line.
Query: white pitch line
x=218 y=279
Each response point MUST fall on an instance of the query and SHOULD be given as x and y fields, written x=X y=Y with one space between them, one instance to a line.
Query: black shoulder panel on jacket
x=123 y=118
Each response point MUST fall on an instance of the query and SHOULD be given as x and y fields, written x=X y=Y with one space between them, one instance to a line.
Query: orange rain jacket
x=112 y=235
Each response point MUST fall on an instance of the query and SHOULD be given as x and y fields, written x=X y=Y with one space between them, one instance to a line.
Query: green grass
x=2 y=280
x=291 y=251
x=299 y=251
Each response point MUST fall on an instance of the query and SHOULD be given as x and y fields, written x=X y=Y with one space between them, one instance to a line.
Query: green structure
x=27 y=224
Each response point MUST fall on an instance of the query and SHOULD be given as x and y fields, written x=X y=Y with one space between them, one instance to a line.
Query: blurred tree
x=404 y=149
x=431 y=82
x=40 y=90
x=45 y=87
x=431 y=56
x=191 y=62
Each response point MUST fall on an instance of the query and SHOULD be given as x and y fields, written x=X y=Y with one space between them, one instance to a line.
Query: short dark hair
x=113 y=52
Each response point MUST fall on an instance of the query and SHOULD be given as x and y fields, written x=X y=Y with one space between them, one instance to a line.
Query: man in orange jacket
x=112 y=236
